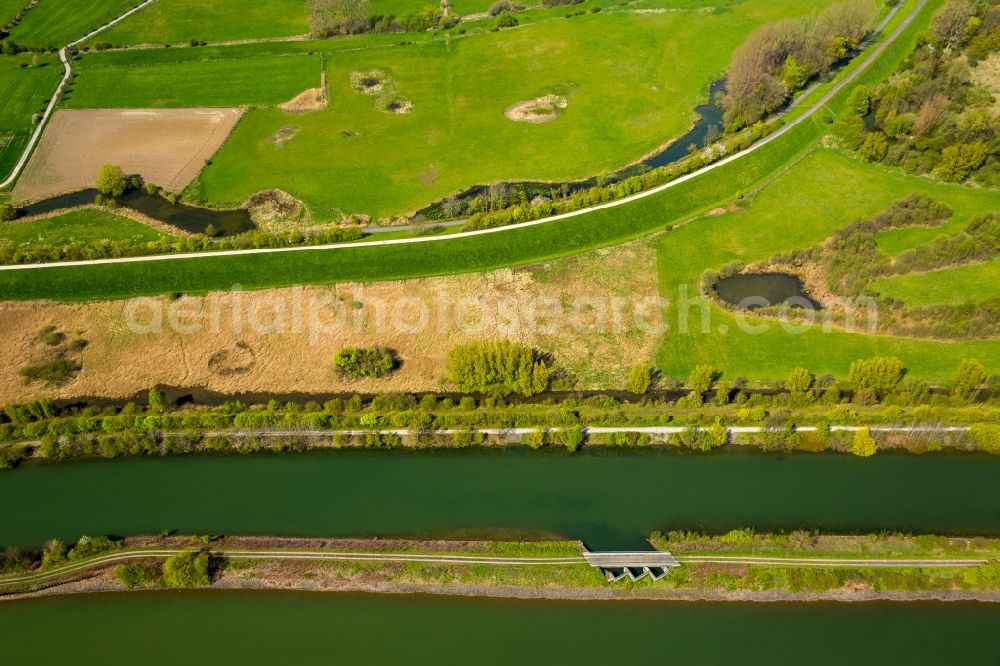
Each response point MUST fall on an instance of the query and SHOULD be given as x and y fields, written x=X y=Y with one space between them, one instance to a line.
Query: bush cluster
x=931 y=118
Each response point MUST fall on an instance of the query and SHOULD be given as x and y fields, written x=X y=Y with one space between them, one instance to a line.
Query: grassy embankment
x=81 y=226
x=644 y=74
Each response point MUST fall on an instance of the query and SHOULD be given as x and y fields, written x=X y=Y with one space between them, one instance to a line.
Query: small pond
x=188 y=218
x=753 y=291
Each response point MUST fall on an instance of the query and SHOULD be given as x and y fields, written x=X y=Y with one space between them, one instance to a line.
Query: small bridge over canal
x=634 y=565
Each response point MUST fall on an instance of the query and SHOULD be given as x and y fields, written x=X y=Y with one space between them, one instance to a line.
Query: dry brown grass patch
x=232 y=358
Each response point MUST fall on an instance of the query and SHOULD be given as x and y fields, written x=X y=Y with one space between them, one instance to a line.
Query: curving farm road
x=806 y=115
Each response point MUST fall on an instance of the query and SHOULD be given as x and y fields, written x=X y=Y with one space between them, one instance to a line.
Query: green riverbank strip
x=454 y=254
x=738 y=561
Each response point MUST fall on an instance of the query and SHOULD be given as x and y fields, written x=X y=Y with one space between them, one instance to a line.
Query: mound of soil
x=306 y=101
x=399 y=105
x=370 y=82
x=540 y=110
x=271 y=207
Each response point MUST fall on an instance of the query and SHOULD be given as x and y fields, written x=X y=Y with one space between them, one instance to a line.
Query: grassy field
x=643 y=75
x=972 y=283
x=451 y=255
x=799 y=209
x=24 y=91
x=263 y=80
x=448 y=256
x=81 y=226
x=891 y=243
x=175 y=21
x=404 y=7
x=9 y=9
x=56 y=23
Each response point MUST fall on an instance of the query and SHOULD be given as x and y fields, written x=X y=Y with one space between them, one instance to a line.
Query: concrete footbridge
x=632 y=565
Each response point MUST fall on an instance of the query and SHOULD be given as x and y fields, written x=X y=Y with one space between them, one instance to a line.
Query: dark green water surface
x=283 y=628
x=610 y=499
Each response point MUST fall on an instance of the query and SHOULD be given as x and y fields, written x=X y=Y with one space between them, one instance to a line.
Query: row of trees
x=781 y=57
x=328 y=18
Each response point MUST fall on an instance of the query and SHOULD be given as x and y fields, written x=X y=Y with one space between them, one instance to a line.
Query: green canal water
x=610 y=499
x=276 y=628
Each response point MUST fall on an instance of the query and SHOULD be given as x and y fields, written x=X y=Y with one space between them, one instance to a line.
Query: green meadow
x=55 y=23
x=175 y=21
x=264 y=80
x=25 y=90
x=631 y=80
x=890 y=243
x=9 y=9
x=791 y=193
x=79 y=226
x=799 y=209
x=971 y=283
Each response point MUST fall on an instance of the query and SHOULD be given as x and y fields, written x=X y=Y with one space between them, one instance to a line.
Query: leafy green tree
x=157 y=401
x=573 y=438
x=860 y=101
x=799 y=380
x=498 y=368
x=793 y=75
x=53 y=553
x=958 y=162
x=718 y=434
x=111 y=181
x=536 y=439
x=986 y=437
x=639 y=379
x=7 y=212
x=970 y=377
x=188 y=568
x=864 y=444
x=701 y=379
x=875 y=147
x=358 y=363
x=880 y=374
x=132 y=576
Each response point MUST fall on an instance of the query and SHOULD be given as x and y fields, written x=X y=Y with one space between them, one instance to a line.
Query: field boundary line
x=67 y=74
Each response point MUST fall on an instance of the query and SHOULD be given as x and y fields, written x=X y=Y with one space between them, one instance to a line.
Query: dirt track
x=167 y=146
